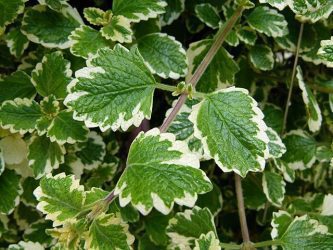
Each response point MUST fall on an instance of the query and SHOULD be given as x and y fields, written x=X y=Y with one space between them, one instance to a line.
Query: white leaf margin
x=278 y=203
x=321 y=51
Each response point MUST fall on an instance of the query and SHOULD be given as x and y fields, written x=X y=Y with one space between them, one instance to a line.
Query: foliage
x=125 y=124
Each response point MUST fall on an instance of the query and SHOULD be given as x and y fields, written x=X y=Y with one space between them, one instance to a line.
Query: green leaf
x=273 y=117
x=115 y=90
x=94 y=15
x=81 y=41
x=60 y=197
x=56 y=5
x=208 y=14
x=274 y=187
x=326 y=52
x=38 y=25
x=275 y=144
x=44 y=155
x=254 y=196
x=9 y=11
x=268 y=21
x=20 y=115
x=136 y=11
x=172 y=11
x=279 y=4
x=155 y=225
x=311 y=105
x=171 y=176
x=10 y=190
x=185 y=227
x=64 y=129
x=52 y=75
x=163 y=55
x=118 y=30
x=212 y=200
x=18 y=84
x=285 y=169
x=311 y=11
x=207 y=241
x=16 y=42
x=324 y=153
x=220 y=72
x=305 y=233
x=36 y=232
x=301 y=150
x=280 y=222
x=232 y=130
x=262 y=57
x=247 y=35
x=108 y=232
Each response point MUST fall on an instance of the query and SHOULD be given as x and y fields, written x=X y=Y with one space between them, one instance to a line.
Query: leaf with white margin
x=17 y=85
x=60 y=197
x=301 y=150
x=44 y=155
x=114 y=91
x=10 y=191
x=38 y=25
x=311 y=11
x=274 y=187
x=16 y=42
x=52 y=75
x=262 y=57
x=207 y=241
x=231 y=128
x=14 y=149
x=311 y=105
x=36 y=232
x=56 y=5
x=118 y=30
x=326 y=52
x=220 y=72
x=19 y=115
x=163 y=55
x=26 y=245
x=172 y=11
x=9 y=11
x=185 y=227
x=305 y=233
x=247 y=35
x=280 y=222
x=327 y=206
x=2 y=162
x=64 y=129
x=108 y=232
x=208 y=14
x=324 y=153
x=268 y=21
x=136 y=11
x=275 y=144
x=171 y=176
x=155 y=225
x=279 y=4
x=94 y=15
x=81 y=41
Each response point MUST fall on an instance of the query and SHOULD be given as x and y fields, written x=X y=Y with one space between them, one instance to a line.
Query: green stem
x=220 y=37
x=267 y=243
x=230 y=246
x=292 y=78
x=166 y=87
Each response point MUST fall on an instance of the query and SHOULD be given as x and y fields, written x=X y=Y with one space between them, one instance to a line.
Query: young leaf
x=275 y=144
x=115 y=90
x=262 y=57
x=60 y=197
x=208 y=14
x=163 y=55
x=220 y=72
x=274 y=187
x=171 y=176
x=268 y=21
x=232 y=131
x=279 y=4
x=10 y=190
x=44 y=155
x=20 y=115
x=108 y=232
x=52 y=75
x=326 y=52
x=189 y=225
x=81 y=41
x=207 y=241
x=172 y=11
x=16 y=42
x=118 y=30
x=136 y=11
x=38 y=25
x=301 y=150
x=311 y=11
x=311 y=104
x=23 y=245
x=17 y=85
x=9 y=11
